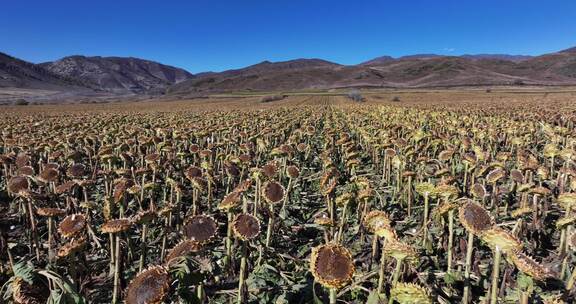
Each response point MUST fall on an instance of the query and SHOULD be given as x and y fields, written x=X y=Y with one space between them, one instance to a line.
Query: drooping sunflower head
x=501 y=239
x=273 y=192
x=378 y=222
x=74 y=246
x=246 y=227
x=49 y=175
x=144 y=217
x=495 y=175
x=400 y=251
x=18 y=184
x=185 y=247
x=270 y=170
x=231 y=200
x=332 y=265
x=50 y=212
x=425 y=189
x=529 y=266
x=116 y=225
x=409 y=293
x=293 y=171
x=72 y=225
x=475 y=218
x=567 y=200
x=519 y=212
x=565 y=221
x=193 y=172
x=365 y=194
x=323 y=220
x=76 y=171
x=150 y=286
x=199 y=183
x=27 y=171
x=200 y=228
x=344 y=199
x=478 y=191
x=444 y=208
x=26 y=293
x=446 y=191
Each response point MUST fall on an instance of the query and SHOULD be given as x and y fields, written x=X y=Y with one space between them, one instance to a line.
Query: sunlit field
x=408 y=197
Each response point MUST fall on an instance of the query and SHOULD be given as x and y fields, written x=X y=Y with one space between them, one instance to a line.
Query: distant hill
x=18 y=73
x=424 y=70
x=377 y=60
x=137 y=77
x=515 y=58
x=118 y=74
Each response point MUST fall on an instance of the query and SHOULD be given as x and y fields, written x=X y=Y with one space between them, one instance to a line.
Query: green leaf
x=25 y=271
x=375 y=298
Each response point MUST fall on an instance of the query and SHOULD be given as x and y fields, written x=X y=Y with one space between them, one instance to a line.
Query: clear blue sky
x=219 y=35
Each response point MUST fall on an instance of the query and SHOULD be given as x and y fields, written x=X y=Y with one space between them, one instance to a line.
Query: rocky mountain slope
x=117 y=73
x=426 y=70
x=16 y=73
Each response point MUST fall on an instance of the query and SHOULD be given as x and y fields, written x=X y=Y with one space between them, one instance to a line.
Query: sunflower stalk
x=381 y=272
x=467 y=268
x=270 y=226
x=495 y=276
x=116 y=289
x=241 y=282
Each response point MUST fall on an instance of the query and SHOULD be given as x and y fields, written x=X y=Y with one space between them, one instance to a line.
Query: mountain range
x=121 y=75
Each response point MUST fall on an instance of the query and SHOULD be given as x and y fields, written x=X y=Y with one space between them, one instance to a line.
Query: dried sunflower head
x=246 y=227
x=25 y=293
x=74 y=246
x=200 y=228
x=273 y=192
x=50 y=212
x=149 y=287
x=552 y=299
x=478 y=191
x=521 y=211
x=18 y=185
x=116 y=225
x=76 y=170
x=565 y=221
x=144 y=217
x=344 y=199
x=475 y=218
x=501 y=239
x=529 y=266
x=323 y=220
x=378 y=222
x=425 y=189
x=567 y=200
x=446 y=191
x=517 y=175
x=231 y=200
x=26 y=171
x=72 y=225
x=270 y=170
x=409 y=293
x=445 y=207
x=293 y=171
x=495 y=175
x=332 y=265
x=365 y=194
x=400 y=250
x=185 y=247
x=49 y=175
